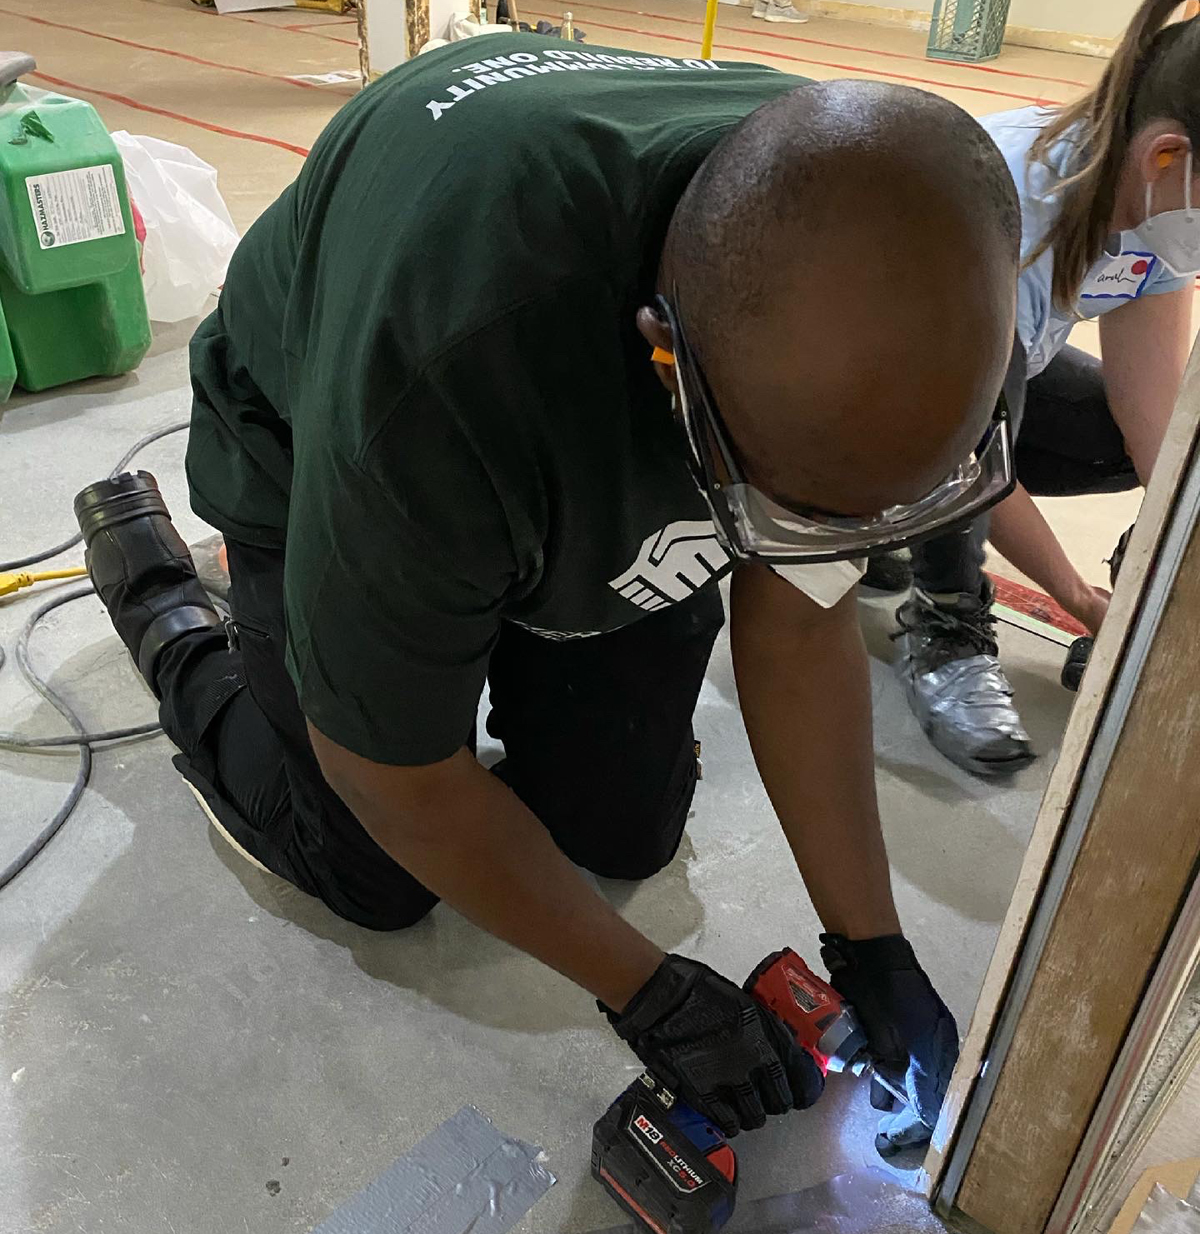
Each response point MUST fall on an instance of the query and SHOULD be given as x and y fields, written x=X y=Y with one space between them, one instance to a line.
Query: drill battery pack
x=665 y=1164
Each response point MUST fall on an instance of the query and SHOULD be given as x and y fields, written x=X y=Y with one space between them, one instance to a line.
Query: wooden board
x=1064 y=779
x=1134 y=865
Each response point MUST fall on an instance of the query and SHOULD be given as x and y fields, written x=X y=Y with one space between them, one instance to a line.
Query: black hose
x=81 y=738
x=84 y=770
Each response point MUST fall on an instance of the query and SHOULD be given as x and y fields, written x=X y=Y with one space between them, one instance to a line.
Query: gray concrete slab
x=189 y=1045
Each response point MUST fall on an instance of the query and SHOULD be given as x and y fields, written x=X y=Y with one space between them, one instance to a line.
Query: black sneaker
x=140 y=567
x=949 y=663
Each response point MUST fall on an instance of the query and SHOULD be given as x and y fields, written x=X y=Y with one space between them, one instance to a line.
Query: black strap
x=169 y=626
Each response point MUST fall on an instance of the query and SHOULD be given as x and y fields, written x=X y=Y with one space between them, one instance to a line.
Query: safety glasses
x=753 y=527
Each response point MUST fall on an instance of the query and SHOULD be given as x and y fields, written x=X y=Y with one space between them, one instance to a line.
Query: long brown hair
x=1153 y=74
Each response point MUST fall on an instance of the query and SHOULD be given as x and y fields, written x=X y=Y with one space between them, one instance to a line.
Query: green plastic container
x=8 y=365
x=70 y=280
x=967 y=30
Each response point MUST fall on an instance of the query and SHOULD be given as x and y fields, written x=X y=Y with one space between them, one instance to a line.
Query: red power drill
x=667 y=1165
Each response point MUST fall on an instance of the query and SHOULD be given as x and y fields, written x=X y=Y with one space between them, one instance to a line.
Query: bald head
x=845 y=265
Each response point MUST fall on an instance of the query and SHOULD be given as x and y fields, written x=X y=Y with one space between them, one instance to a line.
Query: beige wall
x=1105 y=19
x=1081 y=25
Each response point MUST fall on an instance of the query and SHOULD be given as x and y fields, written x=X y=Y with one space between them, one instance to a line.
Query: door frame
x=1023 y=1096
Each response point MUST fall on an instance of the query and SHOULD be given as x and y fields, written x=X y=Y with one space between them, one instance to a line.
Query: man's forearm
x=469 y=839
x=805 y=693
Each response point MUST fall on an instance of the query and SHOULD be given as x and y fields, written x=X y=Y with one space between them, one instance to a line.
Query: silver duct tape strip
x=1164 y=1213
x=863 y=1202
x=465 y=1177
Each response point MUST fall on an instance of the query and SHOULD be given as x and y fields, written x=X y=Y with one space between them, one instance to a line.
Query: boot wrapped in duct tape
x=955 y=686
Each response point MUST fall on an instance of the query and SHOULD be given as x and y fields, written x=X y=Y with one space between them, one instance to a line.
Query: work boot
x=140 y=567
x=955 y=685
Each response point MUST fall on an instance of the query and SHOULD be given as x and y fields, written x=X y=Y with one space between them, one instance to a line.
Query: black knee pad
x=643 y=845
x=615 y=828
x=633 y=867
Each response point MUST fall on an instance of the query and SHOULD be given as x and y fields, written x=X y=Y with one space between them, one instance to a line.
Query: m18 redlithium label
x=70 y=207
x=663 y=1153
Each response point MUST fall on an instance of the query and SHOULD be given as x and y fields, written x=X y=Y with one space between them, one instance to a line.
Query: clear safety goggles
x=753 y=527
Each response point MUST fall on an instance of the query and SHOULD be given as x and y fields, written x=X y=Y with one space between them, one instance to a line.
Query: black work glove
x=910 y=1032
x=716 y=1047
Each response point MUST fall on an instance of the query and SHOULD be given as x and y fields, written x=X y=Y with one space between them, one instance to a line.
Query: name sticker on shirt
x=1119 y=278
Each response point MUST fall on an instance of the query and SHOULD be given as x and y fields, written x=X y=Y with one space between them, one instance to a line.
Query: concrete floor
x=175 y=1024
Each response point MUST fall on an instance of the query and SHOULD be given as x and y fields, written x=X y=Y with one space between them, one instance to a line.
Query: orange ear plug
x=660 y=356
x=1165 y=160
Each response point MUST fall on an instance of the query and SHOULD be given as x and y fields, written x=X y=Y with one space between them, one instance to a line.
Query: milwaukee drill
x=664 y=1162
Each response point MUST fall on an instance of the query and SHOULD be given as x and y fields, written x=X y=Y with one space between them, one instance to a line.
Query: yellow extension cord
x=710 y=26
x=14 y=582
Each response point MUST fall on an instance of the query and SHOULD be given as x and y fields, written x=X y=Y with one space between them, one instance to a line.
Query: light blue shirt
x=1126 y=272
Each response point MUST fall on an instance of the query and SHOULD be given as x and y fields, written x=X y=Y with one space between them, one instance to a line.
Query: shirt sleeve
x=1164 y=282
x=396 y=569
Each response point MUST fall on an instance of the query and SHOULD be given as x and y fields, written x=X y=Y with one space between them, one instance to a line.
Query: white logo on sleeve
x=672 y=564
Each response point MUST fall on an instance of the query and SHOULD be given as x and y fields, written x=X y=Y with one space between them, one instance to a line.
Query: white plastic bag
x=463 y=26
x=189 y=234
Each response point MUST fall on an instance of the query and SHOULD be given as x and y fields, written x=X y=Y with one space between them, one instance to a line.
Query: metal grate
x=971 y=30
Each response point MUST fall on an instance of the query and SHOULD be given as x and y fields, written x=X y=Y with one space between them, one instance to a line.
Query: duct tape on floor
x=1164 y=1213
x=466 y=1176
x=863 y=1202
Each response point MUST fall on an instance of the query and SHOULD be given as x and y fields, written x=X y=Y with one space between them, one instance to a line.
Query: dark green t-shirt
x=425 y=377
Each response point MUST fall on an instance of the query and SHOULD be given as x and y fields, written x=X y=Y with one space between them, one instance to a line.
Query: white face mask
x=1173 y=236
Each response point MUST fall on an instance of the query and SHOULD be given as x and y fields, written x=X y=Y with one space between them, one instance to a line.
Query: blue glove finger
x=900 y=1131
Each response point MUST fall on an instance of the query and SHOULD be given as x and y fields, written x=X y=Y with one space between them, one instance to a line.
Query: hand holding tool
x=715 y=1046
x=667 y=1164
x=912 y=1035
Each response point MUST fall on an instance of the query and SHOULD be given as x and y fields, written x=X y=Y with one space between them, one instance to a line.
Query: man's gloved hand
x=716 y=1047
x=911 y=1033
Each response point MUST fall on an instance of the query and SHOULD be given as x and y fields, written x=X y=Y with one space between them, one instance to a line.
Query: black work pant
x=1067 y=444
x=597 y=734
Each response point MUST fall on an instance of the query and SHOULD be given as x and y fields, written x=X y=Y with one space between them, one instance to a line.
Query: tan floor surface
x=223 y=86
